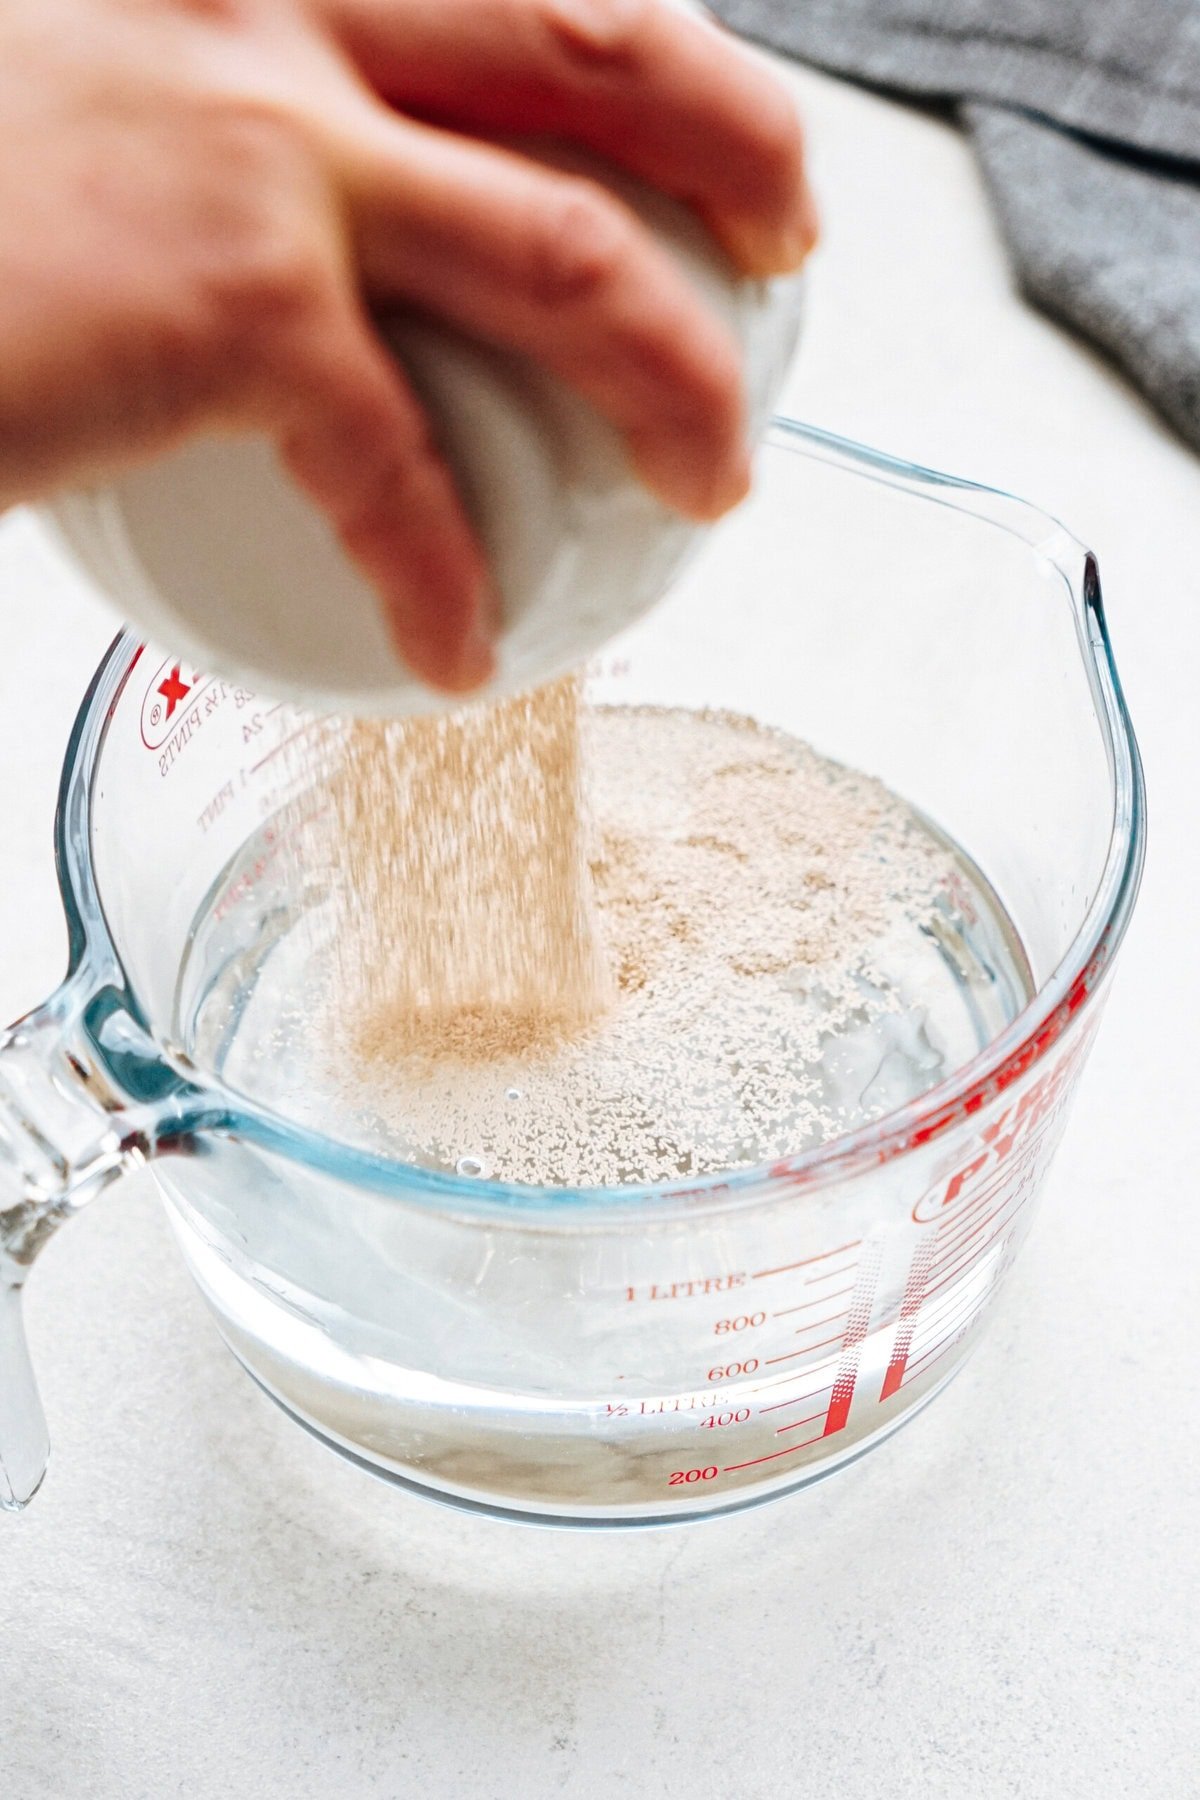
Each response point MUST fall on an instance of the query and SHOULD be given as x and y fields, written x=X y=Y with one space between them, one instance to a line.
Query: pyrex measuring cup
x=623 y=1355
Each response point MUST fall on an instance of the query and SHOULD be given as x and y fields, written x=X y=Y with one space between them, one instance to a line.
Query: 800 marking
x=741 y=1323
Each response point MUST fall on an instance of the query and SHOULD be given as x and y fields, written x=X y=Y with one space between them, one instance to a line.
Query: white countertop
x=1002 y=1601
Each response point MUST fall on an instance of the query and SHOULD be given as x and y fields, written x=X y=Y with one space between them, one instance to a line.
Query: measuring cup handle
x=65 y=1133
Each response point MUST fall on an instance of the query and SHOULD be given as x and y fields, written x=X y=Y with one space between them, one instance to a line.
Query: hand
x=201 y=200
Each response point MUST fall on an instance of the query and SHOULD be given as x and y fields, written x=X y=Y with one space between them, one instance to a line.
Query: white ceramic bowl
x=215 y=553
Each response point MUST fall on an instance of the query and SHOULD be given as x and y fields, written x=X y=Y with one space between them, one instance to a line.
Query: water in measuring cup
x=796 y=950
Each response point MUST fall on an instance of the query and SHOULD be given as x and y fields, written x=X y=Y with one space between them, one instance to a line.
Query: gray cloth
x=1085 y=115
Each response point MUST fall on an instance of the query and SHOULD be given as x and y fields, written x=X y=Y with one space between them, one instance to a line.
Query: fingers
x=554 y=266
x=659 y=92
x=354 y=436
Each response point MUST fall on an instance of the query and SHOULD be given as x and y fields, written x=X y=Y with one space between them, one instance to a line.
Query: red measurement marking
x=839 y=1408
x=796 y=1399
x=846 y=1379
x=951 y=1269
x=816 y=1324
x=898 y=1376
x=292 y=738
x=790 y=1377
x=755 y=1460
x=942 y=1349
x=821 y=1300
x=940 y=1311
x=806 y=1261
x=947 y=1257
x=951 y=1229
x=797 y=1423
x=910 y=1306
x=955 y=1274
x=949 y=1323
x=807 y=1351
x=830 y=1275
x=952 y=1245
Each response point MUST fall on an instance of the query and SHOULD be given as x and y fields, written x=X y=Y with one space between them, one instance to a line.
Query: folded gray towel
x=1085 y=115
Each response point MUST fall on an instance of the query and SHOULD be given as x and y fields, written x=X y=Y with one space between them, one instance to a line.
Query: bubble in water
x=473 y=1166
x=512 y=1093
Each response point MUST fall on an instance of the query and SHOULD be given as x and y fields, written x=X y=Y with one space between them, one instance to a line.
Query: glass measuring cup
x=623 y=1355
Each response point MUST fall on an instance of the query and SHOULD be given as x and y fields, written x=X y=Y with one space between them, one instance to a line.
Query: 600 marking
x=727 y=1371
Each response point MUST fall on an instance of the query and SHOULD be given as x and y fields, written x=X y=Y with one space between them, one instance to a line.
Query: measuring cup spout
x=67 y=1129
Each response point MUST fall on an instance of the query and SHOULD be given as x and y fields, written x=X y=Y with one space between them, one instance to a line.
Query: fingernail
x=693 y=486
x=475 y=662
x=763 y=253
x=736 y=485
x=725 y=489
x=809 y=233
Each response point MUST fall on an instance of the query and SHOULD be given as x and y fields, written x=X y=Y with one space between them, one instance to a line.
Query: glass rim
x=208 y=1105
